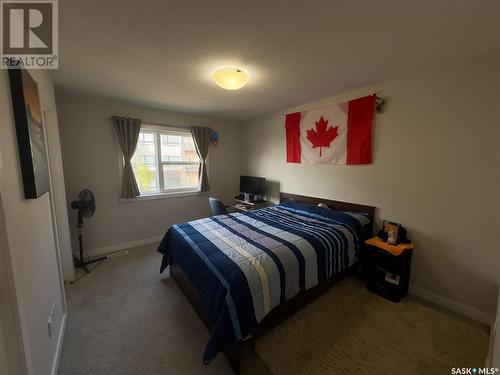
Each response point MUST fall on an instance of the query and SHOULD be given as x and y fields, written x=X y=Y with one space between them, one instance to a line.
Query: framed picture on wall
x=30 y=133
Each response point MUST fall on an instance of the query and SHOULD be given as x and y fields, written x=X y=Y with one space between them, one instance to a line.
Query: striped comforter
x=245 y=264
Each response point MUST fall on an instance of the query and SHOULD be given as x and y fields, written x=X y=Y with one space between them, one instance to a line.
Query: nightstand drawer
x=390 y=262
x=387 y=278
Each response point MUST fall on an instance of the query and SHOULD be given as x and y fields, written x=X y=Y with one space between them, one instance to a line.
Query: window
x=146 y=139
x=171 y=140
x=166 y=161
x=147 y=159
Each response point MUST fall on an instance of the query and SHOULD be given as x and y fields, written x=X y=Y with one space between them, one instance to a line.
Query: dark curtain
x=201 y=137
x=127 y=130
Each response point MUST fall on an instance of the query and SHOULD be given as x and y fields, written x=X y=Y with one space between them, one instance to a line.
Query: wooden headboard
x=335 y=205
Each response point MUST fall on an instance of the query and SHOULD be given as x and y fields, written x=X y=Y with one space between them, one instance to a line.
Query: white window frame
x=143 y=142
x=164 y=193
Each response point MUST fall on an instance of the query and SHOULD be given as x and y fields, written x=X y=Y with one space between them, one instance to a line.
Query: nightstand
x=387 y=268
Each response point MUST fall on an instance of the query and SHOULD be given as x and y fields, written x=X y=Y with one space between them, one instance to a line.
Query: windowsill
x=176 y=194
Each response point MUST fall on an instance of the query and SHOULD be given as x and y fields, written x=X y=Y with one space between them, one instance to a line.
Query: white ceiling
x=162 y=53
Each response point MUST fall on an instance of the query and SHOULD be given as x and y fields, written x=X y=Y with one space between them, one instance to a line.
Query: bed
x=245 y=272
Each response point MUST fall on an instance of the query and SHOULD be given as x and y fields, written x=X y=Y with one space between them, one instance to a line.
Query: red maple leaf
x=322 y=137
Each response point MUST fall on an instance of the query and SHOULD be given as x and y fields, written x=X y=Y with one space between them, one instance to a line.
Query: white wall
x=11 y=351
x=435 y=170
x=59 y=209
x=91 y=160
x=31 y=249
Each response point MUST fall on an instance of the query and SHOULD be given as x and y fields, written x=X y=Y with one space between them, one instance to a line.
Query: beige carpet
x=125 y=318
x=350 y=330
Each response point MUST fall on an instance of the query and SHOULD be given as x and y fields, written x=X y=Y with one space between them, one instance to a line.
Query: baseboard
x=122 y=246
x=470 y=312
x=60 y=338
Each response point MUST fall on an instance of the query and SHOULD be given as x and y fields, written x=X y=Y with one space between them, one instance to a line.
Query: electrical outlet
x=138 y=225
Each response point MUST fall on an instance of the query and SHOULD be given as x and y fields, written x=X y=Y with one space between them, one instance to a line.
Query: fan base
x=80 y=264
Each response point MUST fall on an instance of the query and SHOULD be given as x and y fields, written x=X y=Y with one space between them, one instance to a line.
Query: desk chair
x=218 y=208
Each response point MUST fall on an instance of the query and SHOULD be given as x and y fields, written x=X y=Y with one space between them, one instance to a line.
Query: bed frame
x=286 y=309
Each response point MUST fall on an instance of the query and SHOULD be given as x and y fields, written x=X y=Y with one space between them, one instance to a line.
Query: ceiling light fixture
x=230 y=77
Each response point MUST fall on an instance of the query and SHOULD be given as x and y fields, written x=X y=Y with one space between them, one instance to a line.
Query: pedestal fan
x=85 y=204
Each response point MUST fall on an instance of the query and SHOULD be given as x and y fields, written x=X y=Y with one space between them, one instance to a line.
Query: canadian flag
x=339 y=134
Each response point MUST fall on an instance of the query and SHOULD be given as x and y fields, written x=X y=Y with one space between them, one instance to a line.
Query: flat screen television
x=252 y=185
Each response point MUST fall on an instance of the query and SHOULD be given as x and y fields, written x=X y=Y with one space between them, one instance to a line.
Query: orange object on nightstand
x=393 y=249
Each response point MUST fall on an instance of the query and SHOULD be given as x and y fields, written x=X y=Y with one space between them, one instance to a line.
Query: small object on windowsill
x=214 y=137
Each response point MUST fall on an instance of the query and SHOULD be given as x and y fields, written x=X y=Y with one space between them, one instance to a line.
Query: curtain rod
x=143 y=122
x=165 y=125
